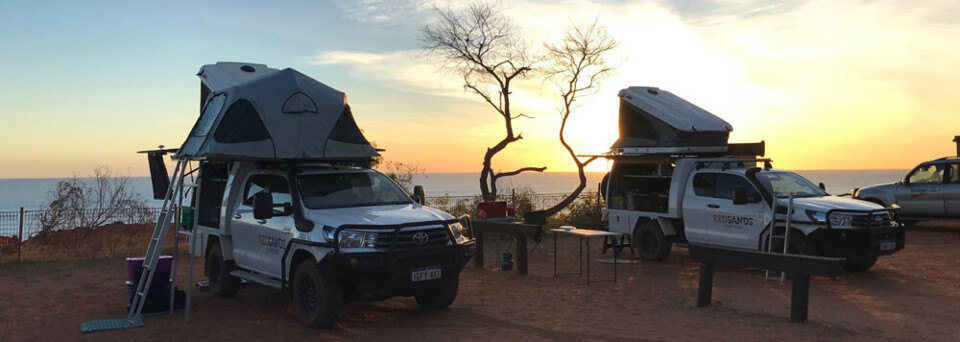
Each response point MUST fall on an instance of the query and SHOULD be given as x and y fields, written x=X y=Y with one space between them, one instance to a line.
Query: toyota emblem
x=421 y=238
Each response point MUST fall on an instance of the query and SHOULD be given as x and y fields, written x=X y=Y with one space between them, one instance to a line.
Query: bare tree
x=93 y=203
x=401 y=173
x=578 y=64
x=480 y=44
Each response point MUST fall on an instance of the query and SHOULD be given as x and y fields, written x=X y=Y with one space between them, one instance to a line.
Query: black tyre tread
x=860 y=264
x=228 y=285
x=330 y=293
x=442 y=297
x=661 y=245
x=798 y=245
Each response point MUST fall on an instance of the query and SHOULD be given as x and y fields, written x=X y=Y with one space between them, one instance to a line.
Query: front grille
x=405 y=239
x=871 y=220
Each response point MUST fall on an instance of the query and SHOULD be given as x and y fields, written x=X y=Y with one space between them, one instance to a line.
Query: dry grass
x=108 y=241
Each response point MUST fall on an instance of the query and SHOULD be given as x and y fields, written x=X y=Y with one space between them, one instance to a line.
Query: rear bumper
x=380 y=275
x=857 y=242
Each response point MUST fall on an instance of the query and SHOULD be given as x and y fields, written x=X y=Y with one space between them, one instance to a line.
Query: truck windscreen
x=349 y=189
x=784 y=183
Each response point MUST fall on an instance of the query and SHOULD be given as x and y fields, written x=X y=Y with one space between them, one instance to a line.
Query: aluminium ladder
x=168 y=210
x=786 y=233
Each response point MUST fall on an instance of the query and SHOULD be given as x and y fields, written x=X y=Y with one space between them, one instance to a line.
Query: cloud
x=386 y=11
x=408 y=70
x=715 y=12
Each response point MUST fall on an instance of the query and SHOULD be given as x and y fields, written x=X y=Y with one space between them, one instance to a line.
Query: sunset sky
x=827 y=84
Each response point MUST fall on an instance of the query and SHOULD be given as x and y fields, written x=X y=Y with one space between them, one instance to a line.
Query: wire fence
x=51 y=234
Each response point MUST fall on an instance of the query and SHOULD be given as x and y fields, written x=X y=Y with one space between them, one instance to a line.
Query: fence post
x=20 y=243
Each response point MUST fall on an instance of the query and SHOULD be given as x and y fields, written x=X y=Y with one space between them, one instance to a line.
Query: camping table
x=520 y=231
x=584 y=235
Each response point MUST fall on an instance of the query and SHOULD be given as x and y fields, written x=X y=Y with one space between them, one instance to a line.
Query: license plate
x=425 y=273
x=888 y=246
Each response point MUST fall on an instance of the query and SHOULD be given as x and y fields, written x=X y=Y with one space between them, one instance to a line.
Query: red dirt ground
x=912 y=295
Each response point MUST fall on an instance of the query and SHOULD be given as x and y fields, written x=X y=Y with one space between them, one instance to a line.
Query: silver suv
x=930 y=190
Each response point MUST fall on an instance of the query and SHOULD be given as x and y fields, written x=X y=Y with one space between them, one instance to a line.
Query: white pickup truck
x=726 y=202
x=328 y=233
x=675 y=179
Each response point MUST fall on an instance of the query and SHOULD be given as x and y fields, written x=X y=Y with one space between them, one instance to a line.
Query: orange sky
x=827 y=84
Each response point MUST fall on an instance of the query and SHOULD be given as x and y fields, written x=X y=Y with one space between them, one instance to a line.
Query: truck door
x=951 y=190
x=259 y=244
x=702 y=187
x=732 y=225
x=922 y=194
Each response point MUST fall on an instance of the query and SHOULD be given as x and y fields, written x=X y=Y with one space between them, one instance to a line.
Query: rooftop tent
x=253 y=112
x=650 y=117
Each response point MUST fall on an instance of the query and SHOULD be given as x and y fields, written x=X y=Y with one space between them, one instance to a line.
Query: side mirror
x=262 y=206
x=822 y=187
x=905 y=181
x=419 y=195
x=739 y=195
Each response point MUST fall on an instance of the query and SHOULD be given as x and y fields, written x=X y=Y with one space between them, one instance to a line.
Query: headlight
x=841 y=220
x=328 y=233
x=352 y=239
x=817 y=216
x=459 y=231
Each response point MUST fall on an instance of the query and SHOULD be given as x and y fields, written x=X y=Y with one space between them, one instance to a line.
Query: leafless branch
x=578 y=65
x=519 y=171
x=480 y=44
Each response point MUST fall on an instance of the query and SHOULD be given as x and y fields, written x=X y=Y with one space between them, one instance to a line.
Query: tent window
x=208 y=116
x=346 y=130
x=634 y=124
x=241 y=123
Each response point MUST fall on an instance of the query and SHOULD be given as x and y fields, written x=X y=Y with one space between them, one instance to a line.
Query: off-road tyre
x=650 y=241
x=860 y=264
x=316 y=295
x=441 y=296
x=222 y=284
x=798 y=245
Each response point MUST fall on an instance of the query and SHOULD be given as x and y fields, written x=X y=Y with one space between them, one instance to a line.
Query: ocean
x=35 y=193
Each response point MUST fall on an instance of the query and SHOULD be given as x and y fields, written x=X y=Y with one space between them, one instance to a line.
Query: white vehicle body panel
x=717 y=221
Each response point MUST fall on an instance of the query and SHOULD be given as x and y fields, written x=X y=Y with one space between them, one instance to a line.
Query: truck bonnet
x=376 y=215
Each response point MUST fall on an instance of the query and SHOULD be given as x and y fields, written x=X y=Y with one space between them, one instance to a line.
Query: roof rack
x=725 y=162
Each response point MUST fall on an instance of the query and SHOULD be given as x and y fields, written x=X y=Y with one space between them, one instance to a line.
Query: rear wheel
x=441 y=296
x=218 y=273
x=651 y=242
x=318 y=296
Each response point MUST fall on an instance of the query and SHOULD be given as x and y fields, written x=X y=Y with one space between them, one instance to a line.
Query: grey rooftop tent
x=252 y=112
x=650 y=117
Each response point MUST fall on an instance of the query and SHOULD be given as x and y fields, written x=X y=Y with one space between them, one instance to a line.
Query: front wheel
x=860 y=264
x=651 y=242
x=318 y=296
x=441 y=296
